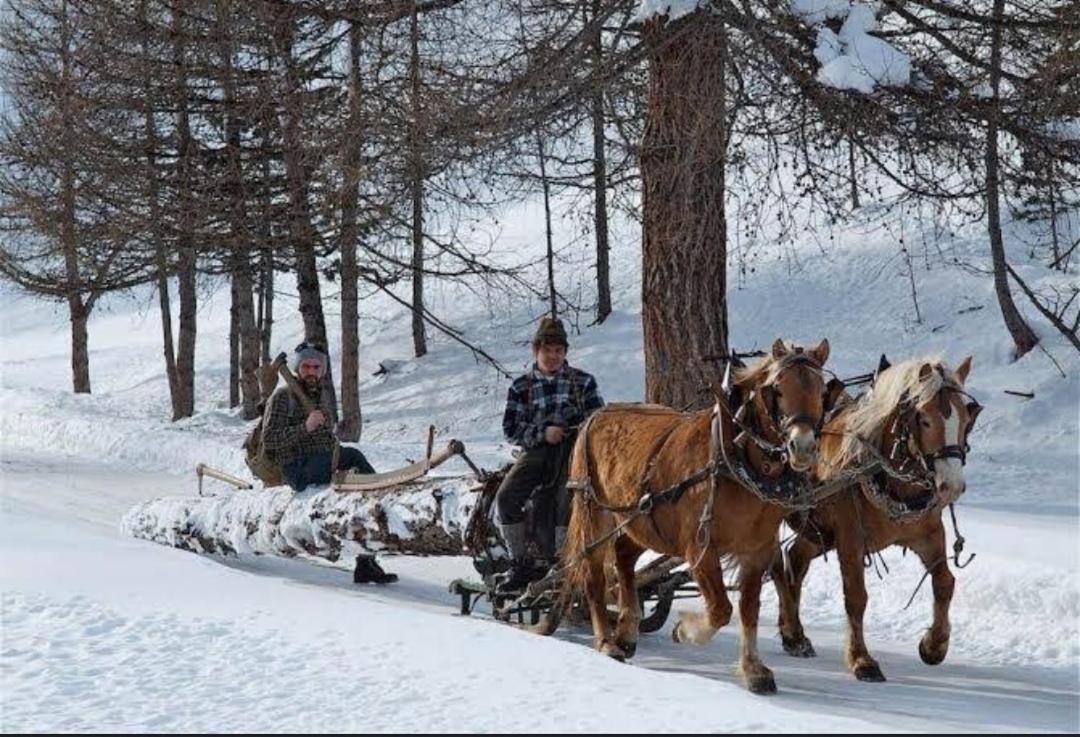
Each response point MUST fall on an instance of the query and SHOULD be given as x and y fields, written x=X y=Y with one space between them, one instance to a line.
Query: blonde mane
x=866 y=422
x=765 y=370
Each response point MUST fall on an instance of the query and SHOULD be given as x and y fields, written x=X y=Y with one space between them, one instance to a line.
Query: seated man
x=302 y=442
x=544 y=408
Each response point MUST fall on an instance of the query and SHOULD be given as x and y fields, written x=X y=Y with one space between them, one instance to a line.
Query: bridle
x=770 y=395
x=905 y=423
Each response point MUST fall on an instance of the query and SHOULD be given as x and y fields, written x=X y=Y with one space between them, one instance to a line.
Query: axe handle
x=202 y=469
x=281 y=363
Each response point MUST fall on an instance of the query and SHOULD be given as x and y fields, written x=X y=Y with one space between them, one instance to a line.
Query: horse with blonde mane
x=651 y=478
x=913 y=426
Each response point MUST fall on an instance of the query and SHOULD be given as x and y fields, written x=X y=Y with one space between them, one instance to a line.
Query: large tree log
x=425 y=518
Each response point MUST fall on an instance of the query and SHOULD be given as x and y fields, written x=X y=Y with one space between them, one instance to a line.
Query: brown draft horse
x=917 y=416
x=630 y=450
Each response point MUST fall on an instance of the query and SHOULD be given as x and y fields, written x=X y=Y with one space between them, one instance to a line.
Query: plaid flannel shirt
x=284 y=435
x=565 y=399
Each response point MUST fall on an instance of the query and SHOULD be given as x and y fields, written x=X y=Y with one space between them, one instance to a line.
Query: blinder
x=908 y=420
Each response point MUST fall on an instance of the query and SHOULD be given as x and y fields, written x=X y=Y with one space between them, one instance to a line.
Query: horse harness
x=790 y=490
x=905 y=453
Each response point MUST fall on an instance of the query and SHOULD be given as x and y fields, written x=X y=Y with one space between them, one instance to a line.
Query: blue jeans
x=315 y=468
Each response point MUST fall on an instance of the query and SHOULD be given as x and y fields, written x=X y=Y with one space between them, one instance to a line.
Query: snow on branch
x=673 y=9
x=852 y=59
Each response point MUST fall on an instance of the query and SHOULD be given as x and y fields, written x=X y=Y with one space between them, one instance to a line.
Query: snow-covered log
x=427 y=517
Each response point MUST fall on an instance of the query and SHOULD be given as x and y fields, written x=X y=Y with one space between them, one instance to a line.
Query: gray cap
x=309 y=352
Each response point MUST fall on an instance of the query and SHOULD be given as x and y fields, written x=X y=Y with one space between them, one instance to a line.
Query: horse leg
x=931 y=551
x=850 y=552
x=699 y=627
x=789 y=583
x=627 y=553
x=596 y=596
x=755 y=675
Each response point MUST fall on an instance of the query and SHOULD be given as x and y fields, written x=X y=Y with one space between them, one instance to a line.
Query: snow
x=816 y=12
x=102 y=632
x=852 y=59
x=673 y=9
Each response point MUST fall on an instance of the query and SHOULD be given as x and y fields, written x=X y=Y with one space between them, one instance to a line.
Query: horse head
x=931 y=422
x=940 y=427
x=790 y=398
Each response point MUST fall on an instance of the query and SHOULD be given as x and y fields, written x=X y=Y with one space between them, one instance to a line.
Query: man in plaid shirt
x=302 y=442
x=544 y=408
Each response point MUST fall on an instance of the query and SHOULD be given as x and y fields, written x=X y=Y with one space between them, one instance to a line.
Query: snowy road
x=102 y=632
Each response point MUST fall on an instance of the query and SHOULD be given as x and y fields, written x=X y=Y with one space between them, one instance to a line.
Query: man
x=302 y=442
x=544 y=408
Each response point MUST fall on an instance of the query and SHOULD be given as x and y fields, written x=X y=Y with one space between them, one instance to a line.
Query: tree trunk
x=351 y=418
x=234 y=343
x=246 y=337
x=77 y=310
x=153 y=196
x=186 y=261
x=600 y=216
x=301 y=231
x=546 y=185
x=416 y=176
x=684 y=254
x=266 y=236
x=80 y=356
x=427 y=518
x=266 y=280
x=1023 y=337
x=185 y=357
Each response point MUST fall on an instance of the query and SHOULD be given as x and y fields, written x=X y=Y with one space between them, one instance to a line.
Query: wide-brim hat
x=550 y=330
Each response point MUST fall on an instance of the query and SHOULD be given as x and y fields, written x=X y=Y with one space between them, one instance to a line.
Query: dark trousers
x=539 y=473
x=315 y=468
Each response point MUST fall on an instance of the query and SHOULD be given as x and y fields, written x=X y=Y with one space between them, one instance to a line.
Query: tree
x=54 y=206
x=684 y=257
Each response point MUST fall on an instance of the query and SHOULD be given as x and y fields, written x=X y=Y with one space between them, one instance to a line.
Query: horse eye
x=924 y=423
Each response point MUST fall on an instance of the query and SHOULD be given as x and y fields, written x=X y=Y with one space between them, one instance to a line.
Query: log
x=426 y=517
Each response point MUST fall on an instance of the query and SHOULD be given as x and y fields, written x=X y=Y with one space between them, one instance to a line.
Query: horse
x=649 y=477
x=914 y=424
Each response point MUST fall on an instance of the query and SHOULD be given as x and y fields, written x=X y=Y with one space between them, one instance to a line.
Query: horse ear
x=963 y=370
x=925 y=371
x=821 y=353
x=883 y=365
x=834 y=390
x=779 y=350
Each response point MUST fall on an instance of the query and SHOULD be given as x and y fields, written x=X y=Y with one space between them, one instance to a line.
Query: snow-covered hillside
x=100 y=632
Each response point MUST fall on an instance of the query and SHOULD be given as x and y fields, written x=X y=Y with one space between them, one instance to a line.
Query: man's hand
x=314 y=420
x=554 y=434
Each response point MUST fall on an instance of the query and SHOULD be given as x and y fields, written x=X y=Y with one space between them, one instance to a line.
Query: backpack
x=255 y=456
x=262 y=466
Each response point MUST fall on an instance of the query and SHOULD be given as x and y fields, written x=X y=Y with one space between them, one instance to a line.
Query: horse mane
x=901 y=382
x=765 y=370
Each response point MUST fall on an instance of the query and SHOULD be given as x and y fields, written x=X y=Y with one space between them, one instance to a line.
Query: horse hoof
x=798 y=647
x=629 y=648
x=675 y=632
x=762 y=684
x=931 y=655
x=870 y=673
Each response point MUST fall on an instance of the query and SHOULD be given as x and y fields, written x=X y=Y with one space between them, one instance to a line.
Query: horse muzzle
x=949 y=477
x=802 y=450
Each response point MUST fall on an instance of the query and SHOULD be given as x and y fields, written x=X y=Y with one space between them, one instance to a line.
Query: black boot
x=369 y=571
x=522 y=572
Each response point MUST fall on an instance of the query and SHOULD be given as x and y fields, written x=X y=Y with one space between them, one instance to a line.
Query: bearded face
x=310 y=373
